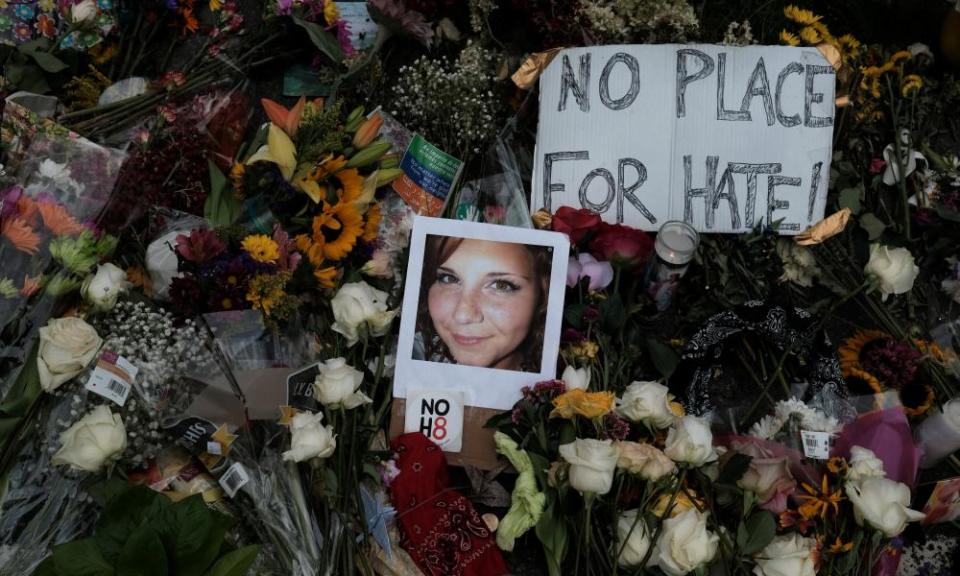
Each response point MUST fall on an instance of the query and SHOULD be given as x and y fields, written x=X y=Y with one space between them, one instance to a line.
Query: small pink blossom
x=586 y=266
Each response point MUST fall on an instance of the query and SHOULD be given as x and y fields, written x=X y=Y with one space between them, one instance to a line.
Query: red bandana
x=439 y=528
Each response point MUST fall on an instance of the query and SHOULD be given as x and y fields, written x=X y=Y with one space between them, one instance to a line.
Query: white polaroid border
x=482 y=387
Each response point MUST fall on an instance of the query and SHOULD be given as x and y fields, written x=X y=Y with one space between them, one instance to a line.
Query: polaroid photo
x=482 y=310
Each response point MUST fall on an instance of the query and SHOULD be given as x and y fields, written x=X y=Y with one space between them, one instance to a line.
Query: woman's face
x=483 y=301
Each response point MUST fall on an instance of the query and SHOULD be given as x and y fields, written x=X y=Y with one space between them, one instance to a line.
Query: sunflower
x=372 y=224
x=327 y=277
x=852 y=349
x=789 y=38
x=352 y=185
x=338 y=226
x=862 y=383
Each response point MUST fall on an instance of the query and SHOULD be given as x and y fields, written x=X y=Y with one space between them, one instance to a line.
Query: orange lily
x=819 y=502
x=288 y=120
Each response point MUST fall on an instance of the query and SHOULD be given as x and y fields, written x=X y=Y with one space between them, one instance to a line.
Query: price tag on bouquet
x=438 y=415
x=816 y=445
x=113 y=377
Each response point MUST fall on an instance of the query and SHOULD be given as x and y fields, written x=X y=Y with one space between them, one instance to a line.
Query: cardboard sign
x=438 y=415
x=722 y=137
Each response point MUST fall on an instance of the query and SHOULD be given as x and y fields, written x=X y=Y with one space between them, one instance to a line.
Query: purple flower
x=893 y=362
x=586 y=266
x=395 y=14
x=284 y=7
x=10 y=199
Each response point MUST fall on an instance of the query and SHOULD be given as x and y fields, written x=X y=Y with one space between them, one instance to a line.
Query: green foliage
x=142 y=533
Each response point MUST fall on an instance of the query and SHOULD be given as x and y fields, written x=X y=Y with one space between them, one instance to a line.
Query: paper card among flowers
x=482 y=310
x=944 y=502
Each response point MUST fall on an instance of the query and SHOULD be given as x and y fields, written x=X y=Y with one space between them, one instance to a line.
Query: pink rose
x=767 y=477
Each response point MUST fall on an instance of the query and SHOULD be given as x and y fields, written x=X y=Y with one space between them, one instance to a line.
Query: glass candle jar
x=675 y=246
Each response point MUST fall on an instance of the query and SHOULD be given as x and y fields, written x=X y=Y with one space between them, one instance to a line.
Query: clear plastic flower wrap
x=273 y=502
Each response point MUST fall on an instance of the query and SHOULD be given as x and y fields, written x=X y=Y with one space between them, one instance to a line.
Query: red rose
x=574 y=222
x=621 y=245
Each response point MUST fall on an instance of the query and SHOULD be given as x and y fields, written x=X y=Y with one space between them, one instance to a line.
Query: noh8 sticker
x=438 y=415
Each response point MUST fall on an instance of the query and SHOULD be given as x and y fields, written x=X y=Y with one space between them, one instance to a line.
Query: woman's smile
x=483 y=302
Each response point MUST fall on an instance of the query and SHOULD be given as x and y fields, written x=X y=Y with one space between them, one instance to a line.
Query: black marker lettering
x=627 y=191
x=774 y=204
x=811 y=97
x=791 y=68
x=600 y=207
x=722 y=112
x=759 y=74
x=751 y=170
x=683 y=79
x=569 y=83
x=548 y=159
x=631 y=95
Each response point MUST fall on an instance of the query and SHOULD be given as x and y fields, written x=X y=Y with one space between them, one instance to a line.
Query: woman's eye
x=444 y=278
x=504 y=286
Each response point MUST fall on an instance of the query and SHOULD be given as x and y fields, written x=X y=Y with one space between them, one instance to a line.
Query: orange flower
x=326 y=167
x=839 y=546
x=190 y=23
x=372 y=224
x=288 y=120
x=790 y=518
x=578 y=402
x=21 y=235
x=139 y=278
x=836 y=465
x=818 y=502
x=58 y=220
x=30 y=285
x=327 y=277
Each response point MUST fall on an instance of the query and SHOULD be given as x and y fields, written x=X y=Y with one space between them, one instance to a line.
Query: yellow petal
x=282 y=150
x=369 y=189
x=311 y=188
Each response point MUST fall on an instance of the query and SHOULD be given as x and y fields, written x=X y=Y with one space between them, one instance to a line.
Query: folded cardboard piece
x=478 y=448
x=264 y=389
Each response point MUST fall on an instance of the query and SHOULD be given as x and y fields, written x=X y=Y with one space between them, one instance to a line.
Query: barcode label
x=816 y=445
x=234 y=479
x=112 y=378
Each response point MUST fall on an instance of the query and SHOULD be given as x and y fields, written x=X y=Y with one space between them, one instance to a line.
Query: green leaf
x=734 y=469
x=613 y=313
x=850 y=198
x=873 y=225
x=49 y=62
x=186 y=532
x=121 y=517
x=551 y=530
x=37 y=44
x=80 y=558
x=46 y=568
x=665 y=359
x=143 y=554
x=323 y=40
x=754 y=534
x=220 y=208
x=235 y=563
x=105 y=491
x=948 y=214
x=573 y=315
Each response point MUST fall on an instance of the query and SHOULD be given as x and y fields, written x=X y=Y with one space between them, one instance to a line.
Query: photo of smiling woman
x=483 y=303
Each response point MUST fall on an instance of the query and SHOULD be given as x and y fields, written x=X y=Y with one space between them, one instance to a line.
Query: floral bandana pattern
x=440 y=528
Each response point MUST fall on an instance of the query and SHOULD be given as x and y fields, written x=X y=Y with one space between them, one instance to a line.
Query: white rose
x=644 y=460
x=791 y=555
x=647 y=402
x=338 y=384
x=632 y=538
x=67 y=345
x=92 y=441
x=684 y=544
x=359 y=307
x=691 y=442
x=310 y=438
x=894 y=268
x=864 y=464
x=592 y=464
x=882 y=503
x=576 y=377
x=101 y=289
x=83 y=11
